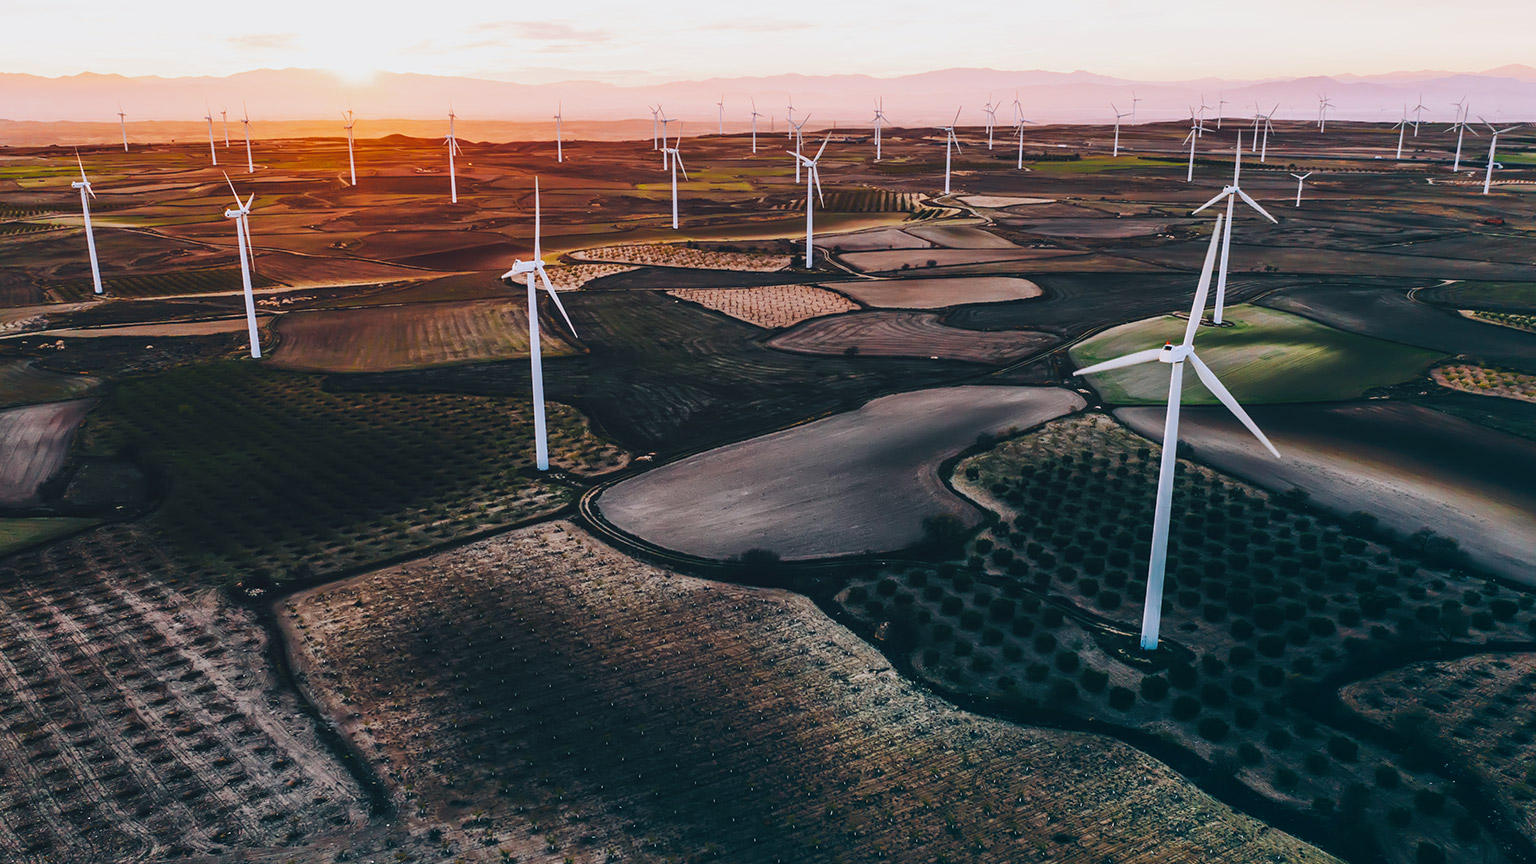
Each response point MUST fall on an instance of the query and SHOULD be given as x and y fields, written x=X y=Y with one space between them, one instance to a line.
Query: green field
x=1264 y=356
x=265 y=470
x=1474 y=295
x=1085 y=165
x=22 y=383
x=18 y=534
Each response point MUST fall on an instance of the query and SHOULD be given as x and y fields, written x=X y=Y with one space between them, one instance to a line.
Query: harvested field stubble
x=581 y=700
x=771 y=306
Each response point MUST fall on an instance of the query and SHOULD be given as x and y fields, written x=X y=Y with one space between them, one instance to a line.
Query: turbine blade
x=1147 y=356
x=1220 y=195
x=1213 y=384
x=816 y=178
x=232 y=189
x=681 y=167
x=823 y=146
x=553 y=296
x=1197 y=309
x=1255 y=205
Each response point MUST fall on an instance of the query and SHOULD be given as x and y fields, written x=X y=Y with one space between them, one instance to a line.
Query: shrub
x=1121 y=698
x=1154 y=688
x=1429 y=801
x=1108 y=600
x=857 y=594
x=1316 y=763
x=1037 y=672
x=1245 y=716
x=1213 y=694
x=1002 y=609
x=886 y=587
x=1183 y=676
x=1241 y=629
x=1185 y=708
x=1387 y=777
x=1285 y=778
x=1343 y=749
x=1272 y=645
x=1093 y=680
x=1278 y=739
x=1067 y=661
x=971 y=619
x=1429 y=853
x=1045 y=643
x=1212 y=728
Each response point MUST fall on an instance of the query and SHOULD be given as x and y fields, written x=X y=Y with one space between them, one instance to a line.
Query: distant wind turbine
x=1195 y=128
x=796 y=130
x=812 y=191
x=535 y=270
x=250 y=164
x=225 y=112
x=665 y=133
x=1402 y=127
x=559 y=139
x=676 y=163
x=351 y=162
x=212 y=152
x=720 y=117
x=1418 y=114
x=453 y=150
x=1118 y=117
x=1323 y=104
x=1231 y=194
x=1134 y=100
x=1493 y=145
x=1019 y=127
x=991 y=111
x=1266 y=129
x=242 y=214
x=86 y=193
x=1301 y=180
x=790 y=117
x=879 y=120
x=950 y=139
x=122 y=120
x=1461 y=127
x=655 y=112
x=1175 y=356
x=755 y=115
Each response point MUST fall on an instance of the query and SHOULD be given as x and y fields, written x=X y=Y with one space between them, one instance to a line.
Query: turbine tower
x=1461 y=127
x=755 y=115
x=1231 y=194
x=559 y=143
x=242 y=214
x=1265 y=130
x=1301 y=180
x=1221 y=103
x=86 y=194
x=720 y=116
x=250 y=165
x=655 y=112
x=1194 y=133
x=453 y=149
x=122 y=120
x=1118 y=117
x=790 y=117
x=1134 y=100
x=812 y=191
x=212 y=152
x=879 y=120
x=795 y=130
x=991 y=111
x=351 y=162
x=1402 y=126
x=535 y=270
x=225 y=112
x=950 y=139
x=676 y=163
x=1323 y=104
x=1493 y=144
x=1418 y=114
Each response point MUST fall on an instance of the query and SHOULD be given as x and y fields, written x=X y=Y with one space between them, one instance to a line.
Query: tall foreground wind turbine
x=242 y=214
x=1493 y=145
x=86 y=193
x=535 y=270
x=1231 y=193
x=351 y=162
x=212 y=152
x=879 y=120
x=950 y=139
x=1301 y=181
x=676 y=162
x=250 y=164
x=812 y=191
x=122 y=120
x=453 y=149
x=755 y=115
x=1175 y=356
x=1118 y=117
x=559 y=143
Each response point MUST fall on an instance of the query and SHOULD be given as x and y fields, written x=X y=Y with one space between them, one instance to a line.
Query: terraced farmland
x=772 y=306
x=585 y=706
x=270 y=476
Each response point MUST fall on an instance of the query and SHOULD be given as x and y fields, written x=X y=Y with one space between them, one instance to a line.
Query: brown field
x=1478 y=708
x=166 y=329
x=890 y=333
x=412 y=336
x=771 y=306
x=33 y=443
x=585 y=707
x=679 y=255
x=569 y=277
x=915 y=259
x=880 y=238
x=993 y=202
x=937 y=293
x=960 y=236
x=1485 y=381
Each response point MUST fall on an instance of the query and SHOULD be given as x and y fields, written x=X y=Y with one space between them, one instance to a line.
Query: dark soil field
x=891 y=333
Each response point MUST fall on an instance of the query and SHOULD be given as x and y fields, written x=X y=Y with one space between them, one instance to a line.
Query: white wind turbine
x=1019 y=128
x=1118 y=117
x=655 y=112
x=950 y=139
x=1194 y=133
x=351 y=162
x=122 y=120
x=879 y=120
x=453 y=149
x=790 y=117
x=1175 y=356
x=1301 y=180
x=534 y=269
x=1461 y=126
x=1203 y=108
x=991 y=111
x=212 y=152
x=795 y=130
x=1323 y=104
x=676 y=163
x=812 y=188
x=1418 y=114
x=1493 y=144
x=559 y=139
x=1134 y=100
x=1231 y=194
x=1402 y=127
x=86 y=193
x=225 y=112
x=755 y=115
x=720 y=116
x=250 y=164
x=242 y=215
x=1266 y=129
x=665 y=132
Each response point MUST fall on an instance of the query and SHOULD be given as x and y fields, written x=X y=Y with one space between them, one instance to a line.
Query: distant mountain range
x=1505 y=94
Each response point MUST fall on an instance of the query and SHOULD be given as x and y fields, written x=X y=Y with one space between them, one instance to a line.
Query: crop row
x=684 y=255
x=1508 y=319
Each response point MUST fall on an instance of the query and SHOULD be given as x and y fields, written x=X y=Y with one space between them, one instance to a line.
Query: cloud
x=758 y=25
x=554 y=31
x=266 y=41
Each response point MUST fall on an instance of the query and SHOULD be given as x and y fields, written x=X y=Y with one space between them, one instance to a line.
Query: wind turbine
x=122 y=120
x=1118 y=117
x=676 y=162
x=720 y=117
x=1462 y=127
x=535 y=270
x=1301 y=180
x=351 y=162
x=1493 y=144
x=1418 y=113
x=1203 y=108
x=84 y=185
x=664 y=133
x=1402 y=126
x=250 y=164
x=796 y=129
x=879 y=119
x=1019 y=127
x=1175 y=356
x=1231 y=194
x=1323 y=104
x=949 y=138
x=991 y=111
x=1195 y=128
x=1134 y=100
x=755 y=115
x=1267 y=128
x=213 y=153
x=242 y=214
x=812 y=188
x=225 y=112
x=453 y=149
x=559 y=143
x=790 y=117
x=654 y=113
x=1221 y=102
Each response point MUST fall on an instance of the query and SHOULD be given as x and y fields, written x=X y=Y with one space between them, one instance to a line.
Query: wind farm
x=942 y=484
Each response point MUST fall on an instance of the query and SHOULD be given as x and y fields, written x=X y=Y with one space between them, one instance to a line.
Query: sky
x=652 y=41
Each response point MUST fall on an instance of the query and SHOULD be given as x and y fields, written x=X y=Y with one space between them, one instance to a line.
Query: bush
x=1154 y=688
x=1278 y=739
x=1429 y=801
x=1285 y=778
x=971 y=619
x=1067 y=661
x=1108 y=600
x=1121 y=698
x=1429 y=853
x=1213 y=694
x=1183 y=676
x=1271 y=676
x=1272 y=645
x=1045 y=643
x=1186 y=708
x=1213 y=728
x=1343 y=749
x=1245 y=716
x=1093 y=680
x=886 y=587
x=1037 y=672
x=1249 y=754
x=1316 y=764
x=1387 y=777
x=857 y=594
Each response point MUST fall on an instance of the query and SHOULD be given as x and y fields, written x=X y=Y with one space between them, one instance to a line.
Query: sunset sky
x=647 y=42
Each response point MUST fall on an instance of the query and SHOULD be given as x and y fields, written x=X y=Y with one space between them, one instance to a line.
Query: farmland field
x=880 y=238
x=269 y=475
x=22 y=383
x=1263 y=356
x=680 y=255
x=1490 y=296
x=583 y=704
x=960 y=237
x=913 y=259
x=891 y=333
x=1515 y=320
x=856 y=481
x=16 y=534
x=936 y=293
x=168 y=329
x=771 y=306
x=1487 y=382
x=412 y=336
x=33 y=443
x=161 y=284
